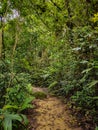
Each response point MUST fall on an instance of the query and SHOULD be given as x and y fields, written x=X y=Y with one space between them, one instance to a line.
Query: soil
x=51 y=113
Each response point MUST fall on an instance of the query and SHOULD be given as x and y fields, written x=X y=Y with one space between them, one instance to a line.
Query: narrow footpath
x=51 y=114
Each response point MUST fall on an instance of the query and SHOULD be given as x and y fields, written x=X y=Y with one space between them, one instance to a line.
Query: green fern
x=7 y=119
x=26 y=104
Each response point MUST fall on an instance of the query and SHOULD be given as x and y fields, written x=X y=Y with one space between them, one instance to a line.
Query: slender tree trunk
x=0 y=43
x=2 y=46
x=13 y=55
x=14 y=47
x=69 y=23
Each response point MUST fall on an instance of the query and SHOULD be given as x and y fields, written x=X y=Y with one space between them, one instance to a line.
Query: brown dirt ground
x=51 y=114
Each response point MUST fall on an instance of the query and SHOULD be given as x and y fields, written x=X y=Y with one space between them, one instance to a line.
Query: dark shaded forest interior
x=48 y=64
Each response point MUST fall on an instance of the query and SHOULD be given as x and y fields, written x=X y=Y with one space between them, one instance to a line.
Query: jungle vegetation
x=48 y=43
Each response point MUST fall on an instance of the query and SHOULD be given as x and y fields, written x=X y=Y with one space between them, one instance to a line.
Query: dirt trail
x=51 y=114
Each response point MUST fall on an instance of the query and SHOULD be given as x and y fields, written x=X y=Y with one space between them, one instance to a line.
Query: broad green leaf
x=86 y=70
x=93 y=83
x=8 y=118
x=10 y=106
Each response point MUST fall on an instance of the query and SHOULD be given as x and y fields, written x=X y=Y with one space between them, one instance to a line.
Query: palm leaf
x=8 y=118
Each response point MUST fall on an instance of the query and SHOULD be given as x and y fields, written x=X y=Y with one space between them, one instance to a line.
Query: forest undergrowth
x=52 y=44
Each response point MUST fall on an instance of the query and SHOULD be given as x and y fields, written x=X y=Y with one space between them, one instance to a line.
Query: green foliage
x=53 y=85
x=7 y=119
x=16 y=96
x=95 y=18
x=19 y=97
x=52 y=44
x=20 y=106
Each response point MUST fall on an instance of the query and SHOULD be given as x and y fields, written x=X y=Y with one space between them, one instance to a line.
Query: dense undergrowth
x=15 y=98
x=48 y=44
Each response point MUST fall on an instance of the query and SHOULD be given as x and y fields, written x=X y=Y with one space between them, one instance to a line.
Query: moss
x=40 y=95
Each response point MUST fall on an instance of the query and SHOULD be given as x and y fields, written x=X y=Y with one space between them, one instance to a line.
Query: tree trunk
x=69 y=22
x=2 y=47
x=14 y=46
x=0 y=43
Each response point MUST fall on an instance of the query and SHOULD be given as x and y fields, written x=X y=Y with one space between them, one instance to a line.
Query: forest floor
x=51 y=113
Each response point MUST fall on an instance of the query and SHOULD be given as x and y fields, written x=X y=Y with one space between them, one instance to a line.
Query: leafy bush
x=20 y=95
x=7 y=120
x=15 y=97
